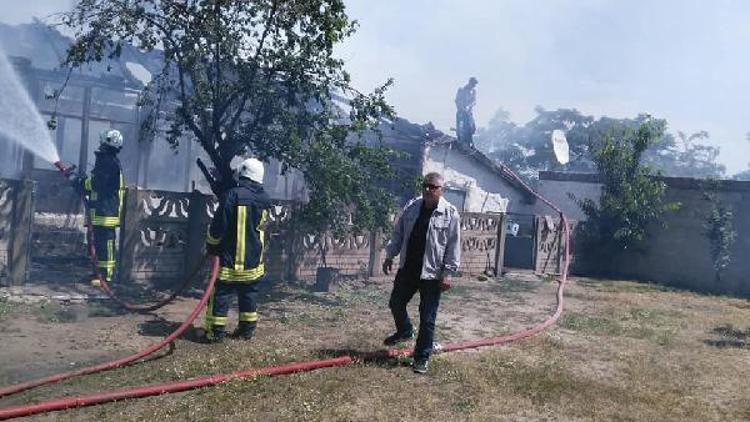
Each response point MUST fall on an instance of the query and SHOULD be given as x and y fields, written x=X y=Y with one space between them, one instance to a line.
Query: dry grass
x=622 y=351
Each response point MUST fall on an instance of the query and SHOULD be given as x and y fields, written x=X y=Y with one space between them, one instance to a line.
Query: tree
x=682 y=156
x=718 y=227
x=528 y=148
x=631 y=197
x=254 y=76
x=745 y=174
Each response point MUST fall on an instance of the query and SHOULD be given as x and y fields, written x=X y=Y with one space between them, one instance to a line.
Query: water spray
x=21 y=122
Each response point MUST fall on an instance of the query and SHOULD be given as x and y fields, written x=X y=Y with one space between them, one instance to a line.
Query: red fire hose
x=128 y=359
x=174 y=387
x=157 y=389
x=65 y=170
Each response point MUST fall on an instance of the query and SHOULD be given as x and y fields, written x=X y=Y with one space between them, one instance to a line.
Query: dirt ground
x=622 y=351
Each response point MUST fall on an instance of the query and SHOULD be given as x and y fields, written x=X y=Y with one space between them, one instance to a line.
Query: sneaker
x=420 y=366
x=95 y=282
x=397 y=338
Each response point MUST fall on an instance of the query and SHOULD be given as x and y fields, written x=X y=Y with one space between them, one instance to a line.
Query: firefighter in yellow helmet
x=104 y=190
x=236 y=236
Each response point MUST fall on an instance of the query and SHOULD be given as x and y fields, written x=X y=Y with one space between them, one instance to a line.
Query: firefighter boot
x=245 y=330
x=215 y=335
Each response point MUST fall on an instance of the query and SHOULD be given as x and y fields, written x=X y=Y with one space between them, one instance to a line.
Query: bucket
x=324 y=277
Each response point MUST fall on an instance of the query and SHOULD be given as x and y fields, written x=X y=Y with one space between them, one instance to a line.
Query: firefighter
x=236 y=236
x=104 y=190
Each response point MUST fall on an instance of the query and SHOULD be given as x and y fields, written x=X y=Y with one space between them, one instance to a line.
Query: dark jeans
x=404 y=288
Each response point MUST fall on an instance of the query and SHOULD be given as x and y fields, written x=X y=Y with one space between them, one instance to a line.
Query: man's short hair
x=435 y=176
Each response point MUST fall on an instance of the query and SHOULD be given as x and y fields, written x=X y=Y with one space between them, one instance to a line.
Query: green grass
x=658 y=326
x=591 y=369
x=618 y=286
x=7 y=308
x=516 y=286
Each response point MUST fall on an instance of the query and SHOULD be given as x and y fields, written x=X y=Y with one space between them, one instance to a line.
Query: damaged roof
x=46 y=48
x=428 y=135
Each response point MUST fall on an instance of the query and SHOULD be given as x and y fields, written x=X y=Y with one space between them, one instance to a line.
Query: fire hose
x=172 y=387
x=12 y=389
x=66 y=171
x=128 y=359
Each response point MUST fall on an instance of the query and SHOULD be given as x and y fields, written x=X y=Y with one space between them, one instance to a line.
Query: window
x=457 y=197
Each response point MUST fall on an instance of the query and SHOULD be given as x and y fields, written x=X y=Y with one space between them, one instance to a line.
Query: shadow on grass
x=159 y=327
x=379 y=358
x=272 y=291
x=729 y=337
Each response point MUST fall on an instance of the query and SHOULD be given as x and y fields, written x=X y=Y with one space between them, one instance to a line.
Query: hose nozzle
x=65 y=169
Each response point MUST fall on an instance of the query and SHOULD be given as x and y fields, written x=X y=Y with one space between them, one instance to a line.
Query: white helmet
x=112 y=138
x=252 y=169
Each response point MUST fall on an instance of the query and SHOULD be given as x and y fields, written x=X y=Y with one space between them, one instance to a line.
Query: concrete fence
x=16 y=218
x=163 y=236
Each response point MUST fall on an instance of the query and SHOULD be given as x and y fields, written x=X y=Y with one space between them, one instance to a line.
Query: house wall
x=486 y=190
x=558 y=188
x=678 y=254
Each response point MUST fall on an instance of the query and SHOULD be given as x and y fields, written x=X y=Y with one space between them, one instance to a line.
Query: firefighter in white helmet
x=105 y=190
x=236 y=235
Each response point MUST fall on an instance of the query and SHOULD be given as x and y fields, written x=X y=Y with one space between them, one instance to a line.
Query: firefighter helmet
x=252 y=169
x=112 y=138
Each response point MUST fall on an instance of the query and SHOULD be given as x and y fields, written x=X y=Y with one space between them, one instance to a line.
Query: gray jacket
x=442 y=252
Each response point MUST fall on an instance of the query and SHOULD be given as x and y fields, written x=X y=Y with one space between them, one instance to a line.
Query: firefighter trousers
x=221 y=298
x=104 y=243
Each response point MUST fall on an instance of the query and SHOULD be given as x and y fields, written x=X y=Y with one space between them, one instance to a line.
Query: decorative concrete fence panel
x=163 y=237
x=155 y=235
x=7 y=194
x=482 y=237
x=16 y=219
x=550 y=246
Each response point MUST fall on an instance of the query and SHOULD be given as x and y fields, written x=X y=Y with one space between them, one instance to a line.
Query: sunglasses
x=430 y=186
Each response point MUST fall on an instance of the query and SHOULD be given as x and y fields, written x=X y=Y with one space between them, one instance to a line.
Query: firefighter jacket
x=105 y=189
x=236 y=234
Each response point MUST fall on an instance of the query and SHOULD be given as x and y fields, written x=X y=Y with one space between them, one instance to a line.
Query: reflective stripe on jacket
x=236 y=233
x=106 y=190
x=442 y=252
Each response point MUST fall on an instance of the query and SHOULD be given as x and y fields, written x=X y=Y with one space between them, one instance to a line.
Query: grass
x=6 y=308
x=624 y=353
x=654 y=325
x=619 y=286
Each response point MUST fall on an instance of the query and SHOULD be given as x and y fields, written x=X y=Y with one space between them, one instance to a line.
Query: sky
x=683 y=60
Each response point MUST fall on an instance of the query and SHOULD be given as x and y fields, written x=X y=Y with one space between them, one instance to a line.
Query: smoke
x=682 y=61
x=25 y=11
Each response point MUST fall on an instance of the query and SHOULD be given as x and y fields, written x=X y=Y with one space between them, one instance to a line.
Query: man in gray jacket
x=428 y=238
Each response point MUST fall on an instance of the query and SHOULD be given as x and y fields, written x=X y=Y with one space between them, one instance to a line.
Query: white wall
x=486 y=190
x=558 y=192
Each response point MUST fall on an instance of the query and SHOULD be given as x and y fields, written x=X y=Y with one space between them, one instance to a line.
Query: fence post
x=196 y=231
x=23 y=218
x=129 y=234
x=376 y=255
x=500 y=246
